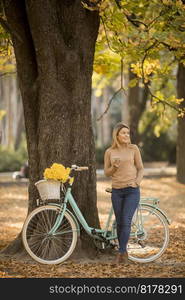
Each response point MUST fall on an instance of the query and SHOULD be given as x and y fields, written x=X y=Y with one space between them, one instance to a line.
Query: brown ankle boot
x=123 y=258
x=117 y=259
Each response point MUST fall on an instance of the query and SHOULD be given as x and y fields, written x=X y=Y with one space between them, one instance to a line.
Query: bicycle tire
x=44 y=248
x=148 y=244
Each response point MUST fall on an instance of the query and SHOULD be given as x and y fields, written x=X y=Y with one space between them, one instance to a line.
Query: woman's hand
x=134 y=184
x=116 y=162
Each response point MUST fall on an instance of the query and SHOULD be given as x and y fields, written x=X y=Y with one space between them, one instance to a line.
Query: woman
x=122 y=161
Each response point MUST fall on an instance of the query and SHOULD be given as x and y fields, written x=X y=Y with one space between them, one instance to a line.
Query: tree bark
x=19 y=127
x=181 y=126
x=54 y=47
x=20 y=118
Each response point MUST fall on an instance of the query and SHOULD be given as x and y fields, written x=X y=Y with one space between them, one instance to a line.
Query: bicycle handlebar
x=77 y=168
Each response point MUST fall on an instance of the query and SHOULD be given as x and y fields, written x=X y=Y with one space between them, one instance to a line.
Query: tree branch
x=131 y=18
x=5 y=25
x=145 y=56
x=109 y=104
x=120 y=89
x=170 y=48
x=91 y=4
x=118 y=3
x=7 y=73
x=8 y=29
x=134 y=21
x=106 y=35
x=154 y=20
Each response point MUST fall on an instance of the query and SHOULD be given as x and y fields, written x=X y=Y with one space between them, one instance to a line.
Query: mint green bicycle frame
x=97 y=233
x=69 y=198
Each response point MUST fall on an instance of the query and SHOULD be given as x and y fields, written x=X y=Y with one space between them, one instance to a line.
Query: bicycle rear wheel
x=149 y=235
x=44 y=247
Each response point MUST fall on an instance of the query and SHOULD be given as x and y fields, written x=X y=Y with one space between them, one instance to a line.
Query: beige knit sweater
x=130 y=170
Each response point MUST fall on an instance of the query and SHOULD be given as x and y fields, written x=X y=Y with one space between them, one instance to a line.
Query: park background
x=141 y=88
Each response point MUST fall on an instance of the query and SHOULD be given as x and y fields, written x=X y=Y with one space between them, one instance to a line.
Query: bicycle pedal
x=141 y=244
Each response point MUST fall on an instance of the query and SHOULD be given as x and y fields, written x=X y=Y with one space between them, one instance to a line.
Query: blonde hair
x=116 y=130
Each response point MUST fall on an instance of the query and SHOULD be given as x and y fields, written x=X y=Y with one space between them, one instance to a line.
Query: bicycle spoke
x=151 y=239
x=149 y=235
x=47 y=247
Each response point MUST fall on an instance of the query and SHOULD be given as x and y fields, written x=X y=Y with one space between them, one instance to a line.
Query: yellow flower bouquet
x=57 y=172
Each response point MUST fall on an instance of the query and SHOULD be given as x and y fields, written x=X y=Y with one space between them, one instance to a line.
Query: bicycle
x=50 y=232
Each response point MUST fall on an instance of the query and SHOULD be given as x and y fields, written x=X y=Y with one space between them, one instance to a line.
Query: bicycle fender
x=72 y=216
x=75 y=220
x=159 y=210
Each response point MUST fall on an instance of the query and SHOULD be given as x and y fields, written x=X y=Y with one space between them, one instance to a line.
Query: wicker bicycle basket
x=48 y=189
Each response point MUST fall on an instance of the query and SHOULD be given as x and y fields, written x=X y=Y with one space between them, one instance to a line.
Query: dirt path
x=13 y=209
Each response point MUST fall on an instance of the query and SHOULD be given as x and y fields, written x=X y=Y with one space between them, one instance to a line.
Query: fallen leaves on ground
x=13 y=209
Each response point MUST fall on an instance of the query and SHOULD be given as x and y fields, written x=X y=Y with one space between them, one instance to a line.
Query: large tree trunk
x=20 y=121
x=181 y=126
x=54 y=45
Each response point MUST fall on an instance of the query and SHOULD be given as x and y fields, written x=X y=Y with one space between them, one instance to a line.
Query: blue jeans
x=124 y=202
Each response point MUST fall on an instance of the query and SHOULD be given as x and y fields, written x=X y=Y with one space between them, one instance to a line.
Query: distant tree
x=181 y=126
x=137 y=99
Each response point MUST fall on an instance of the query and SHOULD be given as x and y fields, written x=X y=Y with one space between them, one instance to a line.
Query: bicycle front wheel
x=149 y=235
x=44 y=247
